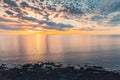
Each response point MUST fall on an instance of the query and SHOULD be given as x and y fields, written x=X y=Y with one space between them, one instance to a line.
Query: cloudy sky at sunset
x=59 y=15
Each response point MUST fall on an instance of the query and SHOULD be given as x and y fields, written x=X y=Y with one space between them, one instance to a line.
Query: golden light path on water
x=30 y=48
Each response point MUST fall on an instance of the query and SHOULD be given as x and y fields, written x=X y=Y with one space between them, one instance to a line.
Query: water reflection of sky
x=74 y=49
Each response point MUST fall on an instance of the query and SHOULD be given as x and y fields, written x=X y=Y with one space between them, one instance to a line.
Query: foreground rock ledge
x=53 y=71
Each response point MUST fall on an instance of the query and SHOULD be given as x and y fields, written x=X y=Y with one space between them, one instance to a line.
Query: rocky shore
x=54 y=71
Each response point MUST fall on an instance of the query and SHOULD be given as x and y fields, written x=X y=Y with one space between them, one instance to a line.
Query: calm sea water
x=103 y=50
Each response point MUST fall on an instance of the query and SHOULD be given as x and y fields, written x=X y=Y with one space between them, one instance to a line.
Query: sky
x=61 y=15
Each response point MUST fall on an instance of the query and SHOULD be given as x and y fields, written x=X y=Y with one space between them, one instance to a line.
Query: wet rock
x=52 y=71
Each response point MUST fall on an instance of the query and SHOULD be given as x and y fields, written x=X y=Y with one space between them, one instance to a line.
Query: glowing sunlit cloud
x=33 y=16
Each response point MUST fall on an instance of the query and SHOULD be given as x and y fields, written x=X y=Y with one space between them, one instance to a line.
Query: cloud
x=24 y=4
x=75 y=13
x=5 y=20
x=30 y=19
x=13 y=25
x=7 y=27
x=9 y=12
x=50 y=25
x=10 y=3
x=97 y=18
x=115 y=21
x=57 y=26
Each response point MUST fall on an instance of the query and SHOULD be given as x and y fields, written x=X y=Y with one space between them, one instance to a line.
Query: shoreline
x=56 y=71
